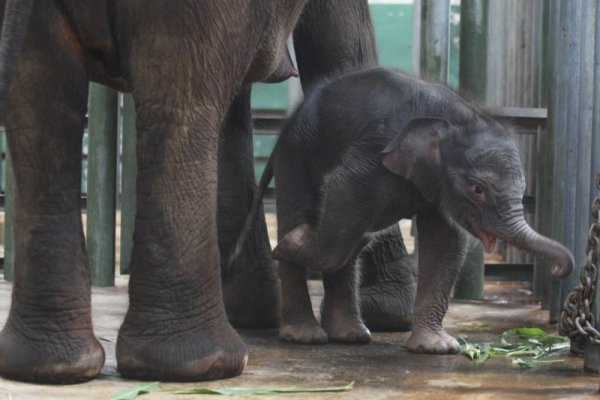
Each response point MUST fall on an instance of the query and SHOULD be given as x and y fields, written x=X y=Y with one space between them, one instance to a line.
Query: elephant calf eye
x=478 y=192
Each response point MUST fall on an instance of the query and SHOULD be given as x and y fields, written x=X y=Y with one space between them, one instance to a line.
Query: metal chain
x=576 y=318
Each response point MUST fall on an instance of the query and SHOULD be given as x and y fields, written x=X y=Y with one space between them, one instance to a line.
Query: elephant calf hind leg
x=298 y=323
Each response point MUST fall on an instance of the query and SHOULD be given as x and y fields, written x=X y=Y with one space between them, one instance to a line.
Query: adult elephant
x=188 y=64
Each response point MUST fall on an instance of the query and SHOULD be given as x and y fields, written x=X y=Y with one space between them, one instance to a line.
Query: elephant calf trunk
x=525 y=238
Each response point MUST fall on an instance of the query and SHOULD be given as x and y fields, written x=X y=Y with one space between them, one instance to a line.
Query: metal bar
x=9 y=213
x=570 y=126
x=415 y=55
x=509 y=272
x=469 y=283
x=592 y=352
x=473 y=48
x=128 y=182
x=435 y=30
x=542 y=284
x=522 y=116
x=574 y=84
x=473 y=59
x=101 y=184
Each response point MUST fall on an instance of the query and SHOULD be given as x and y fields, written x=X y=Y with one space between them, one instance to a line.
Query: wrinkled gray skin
x=184 y=62
x=333 y=37
x=369 y=149
x=189 y=65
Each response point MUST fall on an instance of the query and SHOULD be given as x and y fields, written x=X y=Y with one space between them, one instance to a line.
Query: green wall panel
x=393 y=33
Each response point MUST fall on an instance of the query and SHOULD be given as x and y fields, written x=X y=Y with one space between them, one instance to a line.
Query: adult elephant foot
x=209 y=351
x=250 y=284
x=61 y=357
x=389 y=283
x=251 y=296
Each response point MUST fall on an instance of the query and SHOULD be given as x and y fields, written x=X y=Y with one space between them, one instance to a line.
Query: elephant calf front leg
x=441 y=252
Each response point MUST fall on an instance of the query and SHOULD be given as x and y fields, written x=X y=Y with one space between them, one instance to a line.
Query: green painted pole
x=472 y=83
x=102 y=163
x=543 y=284
x=473 y=48
x=9 y=213
x=469 y=284
x=128 y=178
x=592 y=351
x=435 y=31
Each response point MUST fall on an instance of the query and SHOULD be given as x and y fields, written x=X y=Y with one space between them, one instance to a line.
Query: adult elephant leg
x=250 y=286
x=327 y=45
x=48 y=336
x=176 y=328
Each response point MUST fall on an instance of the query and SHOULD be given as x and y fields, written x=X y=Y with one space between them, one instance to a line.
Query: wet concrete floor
x=381 y=370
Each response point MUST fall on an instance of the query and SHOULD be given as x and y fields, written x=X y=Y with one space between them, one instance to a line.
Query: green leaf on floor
x=534 y=363
x=518 y=342
x=241 y=391
x=478 y=352
x=106 y=339
x=136 y=391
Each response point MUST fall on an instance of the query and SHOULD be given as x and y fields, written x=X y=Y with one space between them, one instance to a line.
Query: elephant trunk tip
x=563 y=269
x=525 y=238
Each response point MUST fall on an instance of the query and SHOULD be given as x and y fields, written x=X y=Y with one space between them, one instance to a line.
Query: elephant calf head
x=473 y=172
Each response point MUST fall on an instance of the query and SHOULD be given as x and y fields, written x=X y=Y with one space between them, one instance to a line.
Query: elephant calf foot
x=306 y=332
x=58 y=357
x=433 y=342
x=198 y=354
x=347 y=331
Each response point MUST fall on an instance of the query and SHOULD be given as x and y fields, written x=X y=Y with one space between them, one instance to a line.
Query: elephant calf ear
x=414 y=154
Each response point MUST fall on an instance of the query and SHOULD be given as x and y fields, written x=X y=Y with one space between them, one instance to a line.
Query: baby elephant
x=366 y=150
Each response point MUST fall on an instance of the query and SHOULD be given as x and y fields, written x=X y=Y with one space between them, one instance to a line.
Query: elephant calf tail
x=263 y=184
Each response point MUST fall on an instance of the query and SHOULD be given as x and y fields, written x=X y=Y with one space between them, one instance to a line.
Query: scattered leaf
x=136 y=391
x=105 y=339
x=475 y=351
x=534 y=363
x=518 y=342
x=241 y=391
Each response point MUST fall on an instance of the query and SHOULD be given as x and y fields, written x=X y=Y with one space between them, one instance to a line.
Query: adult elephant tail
x=14 y=28
x=261 y=189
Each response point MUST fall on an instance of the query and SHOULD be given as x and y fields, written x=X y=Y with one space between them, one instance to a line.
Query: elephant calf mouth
x=489 y=242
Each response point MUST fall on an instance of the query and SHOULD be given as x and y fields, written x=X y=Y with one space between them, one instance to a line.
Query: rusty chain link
x=576 y=318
